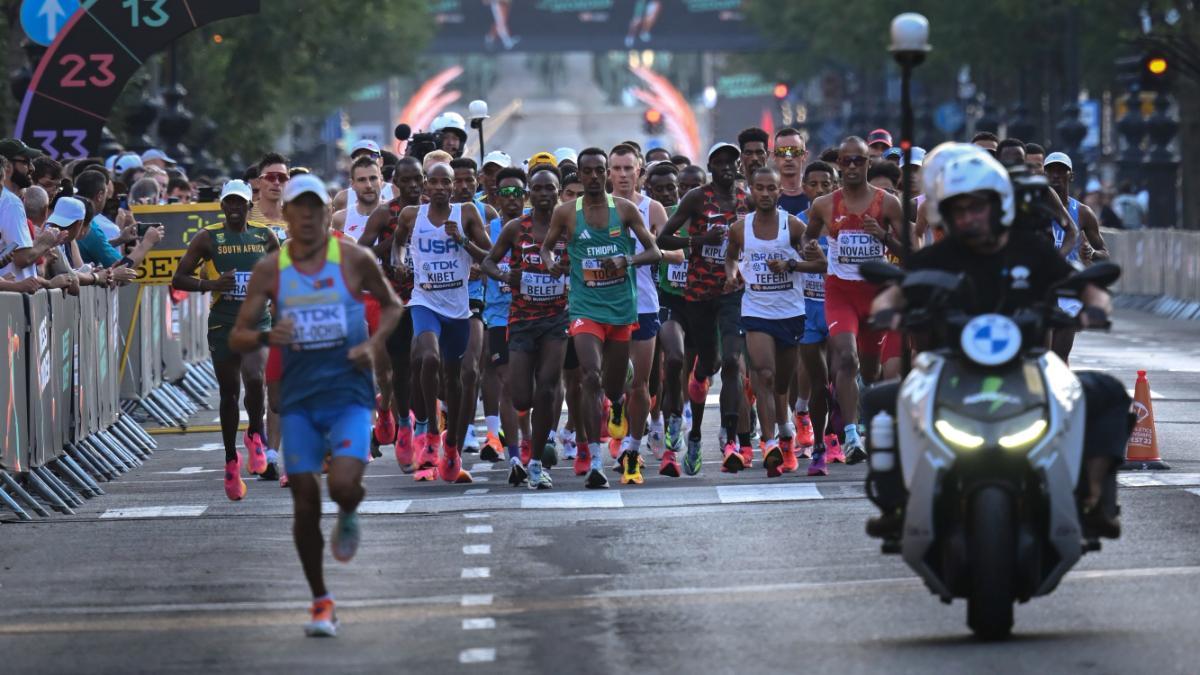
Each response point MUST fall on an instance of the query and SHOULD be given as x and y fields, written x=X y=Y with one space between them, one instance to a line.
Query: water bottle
x=882 y=442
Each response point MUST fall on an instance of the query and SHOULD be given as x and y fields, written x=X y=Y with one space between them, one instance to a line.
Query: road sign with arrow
x=43 y=19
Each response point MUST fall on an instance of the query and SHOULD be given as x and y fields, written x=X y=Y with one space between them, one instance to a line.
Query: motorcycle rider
x=1009 y=268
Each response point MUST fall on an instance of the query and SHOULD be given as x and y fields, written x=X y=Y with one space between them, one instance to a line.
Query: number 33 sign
x=93 y=54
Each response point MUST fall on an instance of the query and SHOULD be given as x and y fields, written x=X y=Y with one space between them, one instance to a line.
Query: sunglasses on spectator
x=511 y=191
x=789 y=151
x=275 y=177
x=853 y=160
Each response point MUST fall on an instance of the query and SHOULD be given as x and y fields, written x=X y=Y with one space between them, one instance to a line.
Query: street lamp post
x=478 y=110
x=910 y=44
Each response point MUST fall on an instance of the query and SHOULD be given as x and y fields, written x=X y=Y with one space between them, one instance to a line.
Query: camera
x=1031 y=197
x=419 y=144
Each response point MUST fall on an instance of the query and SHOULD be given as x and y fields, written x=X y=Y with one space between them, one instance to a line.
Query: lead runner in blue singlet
x=316 y=282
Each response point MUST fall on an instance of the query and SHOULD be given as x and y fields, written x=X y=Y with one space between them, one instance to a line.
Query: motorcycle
x=990 y=431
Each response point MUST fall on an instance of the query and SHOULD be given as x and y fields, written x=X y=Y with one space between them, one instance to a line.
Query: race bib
x=594 y=274
x=441 y=275
x=541 y=287
x=855 y=248
x=714 y=253
x=677 y=274
x=241 y=280
x=317 y=326
x=505 y=268
x=814 y=286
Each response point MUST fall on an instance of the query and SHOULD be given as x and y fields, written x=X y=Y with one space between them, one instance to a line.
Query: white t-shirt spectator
x=108 y=227
x=14 y=229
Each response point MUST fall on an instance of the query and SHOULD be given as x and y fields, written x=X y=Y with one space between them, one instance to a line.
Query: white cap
x=110 y=163
x=918 y=156
x=126 y=162
x=239 y=188
x=566 y=155
x=304 y=183
x=67 y=211
x=498 y=158
x=155 y=153
x=719 y=146
x=365 y=144
x=1058 y=158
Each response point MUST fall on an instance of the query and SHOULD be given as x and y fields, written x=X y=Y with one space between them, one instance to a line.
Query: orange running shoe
x=583 y=460
x=790 y=462
x=773 y=461
x=324 y=621
x=669 y=466
x=733 y=462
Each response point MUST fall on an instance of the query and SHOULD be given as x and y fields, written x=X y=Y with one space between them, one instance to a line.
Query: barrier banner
x=64 y=319
x=116 y=343
x=71 y=425
x=89 y=380
x=43 y=413
x=181 y=222
x=130 y=363
x=105 y=355
x=14 y=391
x=172 y=348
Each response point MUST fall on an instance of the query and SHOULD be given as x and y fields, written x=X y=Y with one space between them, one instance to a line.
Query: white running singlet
x=647 y=302
x=769 y=295
x=440 y=267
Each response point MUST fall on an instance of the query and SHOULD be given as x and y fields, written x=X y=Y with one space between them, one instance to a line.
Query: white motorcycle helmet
x=451 y=121
x=972 y=173
x=935 y=161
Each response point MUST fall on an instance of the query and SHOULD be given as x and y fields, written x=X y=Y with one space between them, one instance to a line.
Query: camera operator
x=453 y=130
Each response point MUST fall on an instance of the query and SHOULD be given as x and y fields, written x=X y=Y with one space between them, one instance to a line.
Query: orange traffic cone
x=1141 y=454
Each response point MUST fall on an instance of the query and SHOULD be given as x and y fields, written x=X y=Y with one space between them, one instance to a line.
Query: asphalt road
x=709 y=574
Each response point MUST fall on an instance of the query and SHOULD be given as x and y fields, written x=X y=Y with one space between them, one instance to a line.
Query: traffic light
x=1156 y=71
x=652 y=122
x=780 y=91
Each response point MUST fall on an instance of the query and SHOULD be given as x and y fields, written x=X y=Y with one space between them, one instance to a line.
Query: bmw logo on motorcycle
x=991 y=339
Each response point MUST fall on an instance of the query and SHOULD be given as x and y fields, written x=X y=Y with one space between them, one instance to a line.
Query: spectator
x=94 y=245
x=48 y=174
x=18 y=249
x=157 y=158
x=69 y=216
x=160 y=176
x=1128 y=207
x=131 y=175
x=20 y=157
x=179 y=191
x=145 y=192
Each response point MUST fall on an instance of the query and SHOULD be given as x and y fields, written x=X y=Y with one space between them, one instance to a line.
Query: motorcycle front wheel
x=992 y=550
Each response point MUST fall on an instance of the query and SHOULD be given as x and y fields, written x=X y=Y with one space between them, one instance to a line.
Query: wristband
x=264 y=337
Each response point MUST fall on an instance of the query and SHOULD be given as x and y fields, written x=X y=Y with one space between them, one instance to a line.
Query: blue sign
x=43 y=19
x=949 y=118
x=1089 y=115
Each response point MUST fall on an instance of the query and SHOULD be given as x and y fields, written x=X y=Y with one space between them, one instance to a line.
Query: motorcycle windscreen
x=990 y=395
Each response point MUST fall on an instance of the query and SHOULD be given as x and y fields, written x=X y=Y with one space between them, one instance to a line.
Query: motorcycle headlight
x=1024 y=431
x=958 y=431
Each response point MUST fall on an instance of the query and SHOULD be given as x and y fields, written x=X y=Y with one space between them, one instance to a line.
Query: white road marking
x=383 y=506
x=476 y=515
x=476 y=572
x=477 y=600
x=187 y=470
x=477 y=655
x=1158 y=479
x=742 y=494
x=479 y=529
x=207 y=447
x=188 y=511
x=476 y=491
x=481 y=466
x=485 y=623
x=573 y=500
x=1195 y=491
x=481 y=479
x=477 y=549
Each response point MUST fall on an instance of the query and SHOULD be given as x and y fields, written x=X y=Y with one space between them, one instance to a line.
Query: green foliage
x=294 y=58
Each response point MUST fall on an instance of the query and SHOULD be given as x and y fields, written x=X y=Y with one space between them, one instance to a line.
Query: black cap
x=14 y=148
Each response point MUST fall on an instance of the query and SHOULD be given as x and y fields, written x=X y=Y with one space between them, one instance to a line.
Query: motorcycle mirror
x=1102 y=274
x=878 y=272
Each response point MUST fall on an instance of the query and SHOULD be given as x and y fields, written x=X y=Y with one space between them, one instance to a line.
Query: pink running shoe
x=385 y=424
x=404 y=448
x=256 y=452
x=833 y=450
x=235 y=488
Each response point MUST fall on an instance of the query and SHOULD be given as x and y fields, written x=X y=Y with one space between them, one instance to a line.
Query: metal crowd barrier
x=1160 y=270
x=76 y=366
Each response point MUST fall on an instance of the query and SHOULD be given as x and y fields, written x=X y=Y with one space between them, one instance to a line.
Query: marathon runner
x=709 y=311
x=315 y=281
x=408 y=181
x=812 y=413
x=624 y=171
x=345 y=199
x=1088 y=248
x=537 y=322
x=602 y=300
x=861 y=220
x=268 y=210
x=498 y=401
x=763 y=248
x=234 y=248
x=572 y=436
x=441 y=315
x=365 y=180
